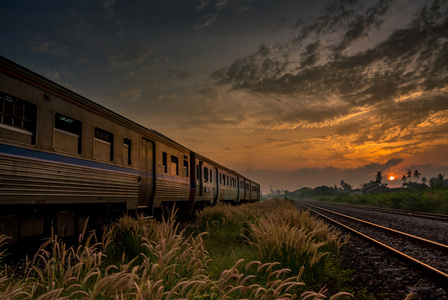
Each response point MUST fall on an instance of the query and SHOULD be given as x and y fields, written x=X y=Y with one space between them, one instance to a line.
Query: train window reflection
x=19 y=116
x=185 y=167
x=103 y=145
x=174 y=165
x=165 y=162
x=205 y=174
x=67 y=134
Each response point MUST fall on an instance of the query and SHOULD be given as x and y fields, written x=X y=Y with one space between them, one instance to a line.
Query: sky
x=290 y=93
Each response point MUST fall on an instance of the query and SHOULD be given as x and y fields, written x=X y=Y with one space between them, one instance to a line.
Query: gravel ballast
x=378 y=272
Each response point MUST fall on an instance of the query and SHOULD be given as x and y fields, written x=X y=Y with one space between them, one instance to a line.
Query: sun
x=391 y=178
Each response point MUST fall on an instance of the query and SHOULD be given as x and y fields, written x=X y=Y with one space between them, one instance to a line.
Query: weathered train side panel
x=173 y=174
x=34 y=177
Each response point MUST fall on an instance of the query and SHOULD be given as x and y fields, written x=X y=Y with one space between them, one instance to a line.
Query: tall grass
x=272 y=231
x=140 y=258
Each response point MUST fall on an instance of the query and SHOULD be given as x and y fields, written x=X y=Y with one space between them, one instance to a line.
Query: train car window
x=67 y=134
x=205 y=174
x=174 y=165
x=127 y=152
x=165 y=162
x=103 y=145
x=228 y=181
x=197 y=172
x=20 y=117
x=185 y=167
x=211 y=175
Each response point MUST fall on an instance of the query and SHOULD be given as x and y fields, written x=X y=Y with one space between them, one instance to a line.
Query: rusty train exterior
x=65 y=159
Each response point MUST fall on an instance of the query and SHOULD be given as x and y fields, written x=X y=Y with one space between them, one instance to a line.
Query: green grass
x=225 y=255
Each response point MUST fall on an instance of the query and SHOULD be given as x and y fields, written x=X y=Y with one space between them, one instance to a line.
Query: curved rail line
x=435 y=273
x=425 y=215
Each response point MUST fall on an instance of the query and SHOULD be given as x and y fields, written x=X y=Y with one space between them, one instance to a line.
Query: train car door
x=237 y=189
x=147 y=177
x=215 y=187
x=201 y=166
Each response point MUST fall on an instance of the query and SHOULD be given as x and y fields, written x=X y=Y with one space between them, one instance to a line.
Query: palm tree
x=404 y=178
x=417 y=175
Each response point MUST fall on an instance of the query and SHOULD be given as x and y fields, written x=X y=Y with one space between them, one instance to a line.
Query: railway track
x=428 y=256
x=425 y=215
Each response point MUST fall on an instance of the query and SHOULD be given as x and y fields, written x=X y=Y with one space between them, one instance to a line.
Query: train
x=65 y=159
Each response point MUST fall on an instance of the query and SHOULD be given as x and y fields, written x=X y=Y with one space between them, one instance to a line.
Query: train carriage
x=64 y=157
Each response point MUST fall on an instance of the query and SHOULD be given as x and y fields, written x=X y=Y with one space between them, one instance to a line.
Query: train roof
x=23 y=73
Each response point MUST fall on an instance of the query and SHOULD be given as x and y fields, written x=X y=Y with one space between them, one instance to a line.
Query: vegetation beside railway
x=412 y=196
x=255 y=251
x=429 y=200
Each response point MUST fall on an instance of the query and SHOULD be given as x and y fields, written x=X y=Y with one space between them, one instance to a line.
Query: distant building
x=356 y=192
x=375 y=189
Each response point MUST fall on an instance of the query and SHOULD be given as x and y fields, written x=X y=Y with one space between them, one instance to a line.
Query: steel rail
x=435 y=273
x=425 y=215
x=422 y=241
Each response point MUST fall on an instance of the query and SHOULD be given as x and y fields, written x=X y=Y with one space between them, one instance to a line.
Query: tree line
x=410 y=182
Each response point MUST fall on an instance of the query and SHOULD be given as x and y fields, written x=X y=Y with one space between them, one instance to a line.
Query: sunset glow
x=287 y=93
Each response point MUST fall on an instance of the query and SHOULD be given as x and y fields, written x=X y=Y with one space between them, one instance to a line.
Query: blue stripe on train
x=52 y=157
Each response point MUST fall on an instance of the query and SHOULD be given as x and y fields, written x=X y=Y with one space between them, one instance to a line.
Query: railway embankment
x=382 y=273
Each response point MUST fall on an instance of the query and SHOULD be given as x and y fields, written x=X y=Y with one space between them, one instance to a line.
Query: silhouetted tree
x=404 y=178
x=409 y=174
x=424 y=180
x=416 y=175
x=346 y=188
x=324 y=190
x=379 y=177
x=436 y=182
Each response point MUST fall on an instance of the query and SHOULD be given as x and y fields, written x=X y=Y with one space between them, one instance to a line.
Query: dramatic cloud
x=324 y=84
x=211 y=9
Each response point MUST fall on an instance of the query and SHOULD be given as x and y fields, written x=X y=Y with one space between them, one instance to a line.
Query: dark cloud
x=211 y=122
x=311 y=54
x=358 y=27
x=367 y=169
x=210 y=10
x=410 y=60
